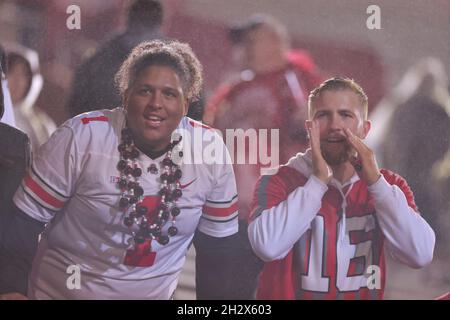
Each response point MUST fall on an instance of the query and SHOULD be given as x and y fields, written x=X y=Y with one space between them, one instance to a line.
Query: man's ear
x=308 y=124
x=366 y=128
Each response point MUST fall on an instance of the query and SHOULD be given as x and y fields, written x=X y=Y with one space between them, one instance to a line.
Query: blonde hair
x=335 y=84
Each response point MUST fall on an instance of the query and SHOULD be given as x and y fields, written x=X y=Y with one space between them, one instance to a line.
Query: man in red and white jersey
x=321 y=222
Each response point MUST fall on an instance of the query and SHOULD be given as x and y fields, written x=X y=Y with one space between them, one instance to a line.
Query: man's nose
x=336 y=122
x=156 y=100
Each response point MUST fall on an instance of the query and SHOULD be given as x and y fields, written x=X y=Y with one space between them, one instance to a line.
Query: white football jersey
x=72 y=184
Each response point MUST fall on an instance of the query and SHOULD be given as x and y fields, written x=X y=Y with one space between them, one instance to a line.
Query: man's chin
x=335 y=159
x=336 y=154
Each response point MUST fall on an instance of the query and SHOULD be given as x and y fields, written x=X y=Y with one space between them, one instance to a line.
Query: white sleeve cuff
x=316 y=186
x=380 y=188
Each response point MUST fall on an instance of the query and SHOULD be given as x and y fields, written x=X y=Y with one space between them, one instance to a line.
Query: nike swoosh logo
x=187 y=184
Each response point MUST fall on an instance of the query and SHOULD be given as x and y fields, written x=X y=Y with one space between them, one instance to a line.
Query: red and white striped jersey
x=326 y=241
x=73 y=185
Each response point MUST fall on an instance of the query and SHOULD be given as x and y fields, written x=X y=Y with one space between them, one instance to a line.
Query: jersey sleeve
x=409 y=237
x=50 y=181
x=220 y=211
x=284 y=206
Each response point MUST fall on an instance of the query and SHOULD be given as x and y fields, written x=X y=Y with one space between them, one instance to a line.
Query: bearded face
x=336 y=111
x=336 y=152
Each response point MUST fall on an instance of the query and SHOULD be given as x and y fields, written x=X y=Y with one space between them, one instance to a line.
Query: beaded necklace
x=135 y=213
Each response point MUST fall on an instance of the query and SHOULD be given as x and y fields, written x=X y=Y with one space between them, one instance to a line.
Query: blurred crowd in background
x=261 y=59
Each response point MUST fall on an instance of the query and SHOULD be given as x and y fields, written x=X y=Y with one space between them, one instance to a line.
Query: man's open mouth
x=153 y=120
x=335 y=140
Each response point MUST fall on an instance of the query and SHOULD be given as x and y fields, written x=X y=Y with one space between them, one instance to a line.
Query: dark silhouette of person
x=14 y=161
x=93 y=86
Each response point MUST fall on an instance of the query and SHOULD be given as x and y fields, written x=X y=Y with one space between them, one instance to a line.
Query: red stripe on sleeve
x=87 y=120
x=41 y=193
x=199 y=125
x=220 y=212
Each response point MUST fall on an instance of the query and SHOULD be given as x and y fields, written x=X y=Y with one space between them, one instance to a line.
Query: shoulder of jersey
x=194 y=124
x=94 y=120
x=392 y=177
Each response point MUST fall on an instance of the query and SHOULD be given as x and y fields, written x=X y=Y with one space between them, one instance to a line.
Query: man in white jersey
x=121 y=194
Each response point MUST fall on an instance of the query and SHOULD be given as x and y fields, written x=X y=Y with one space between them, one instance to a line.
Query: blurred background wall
x=334 y=32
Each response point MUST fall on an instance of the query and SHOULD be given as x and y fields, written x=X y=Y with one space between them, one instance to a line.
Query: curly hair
x=174 y=54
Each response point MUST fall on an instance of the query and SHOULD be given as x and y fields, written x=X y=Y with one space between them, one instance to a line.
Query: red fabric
x=142 y=255
x=395 y=179
x=87 y=120
x=198 y=125
x=220 y=212
x=445 y=296
x=41 y=193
